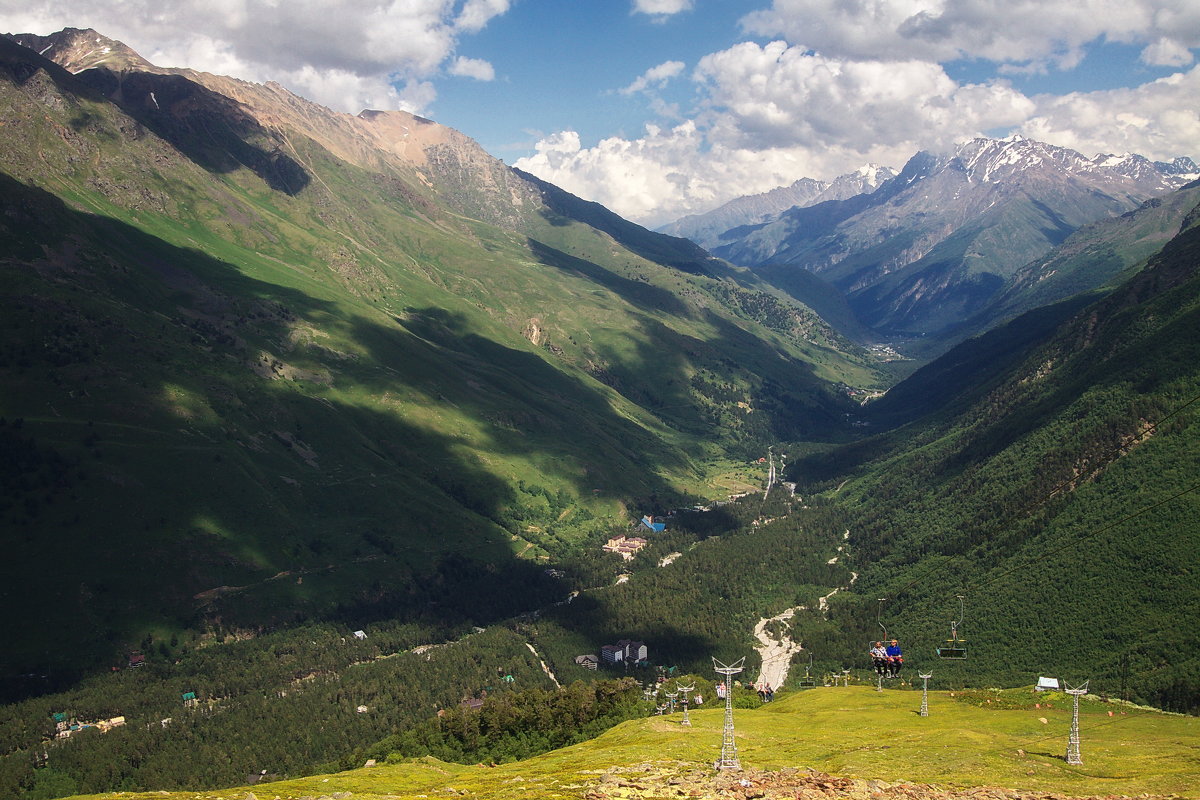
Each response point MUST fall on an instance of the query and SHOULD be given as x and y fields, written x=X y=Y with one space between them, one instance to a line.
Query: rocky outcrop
x=661 y=780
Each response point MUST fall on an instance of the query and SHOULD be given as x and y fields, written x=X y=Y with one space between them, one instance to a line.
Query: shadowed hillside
x=265 y=363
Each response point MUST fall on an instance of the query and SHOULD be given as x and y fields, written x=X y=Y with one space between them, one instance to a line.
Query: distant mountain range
x=707 y=229
x=935 y=244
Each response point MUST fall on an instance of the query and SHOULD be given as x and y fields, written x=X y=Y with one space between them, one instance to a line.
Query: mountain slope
x=307 y=360
x=1055 y=493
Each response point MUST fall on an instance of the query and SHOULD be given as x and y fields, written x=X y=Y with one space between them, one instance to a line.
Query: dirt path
x=545 y=668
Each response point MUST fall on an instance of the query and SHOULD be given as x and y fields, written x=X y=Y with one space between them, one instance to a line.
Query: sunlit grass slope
x=852 y=732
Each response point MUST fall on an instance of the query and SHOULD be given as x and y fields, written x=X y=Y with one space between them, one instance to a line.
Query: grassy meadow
x=982 y=738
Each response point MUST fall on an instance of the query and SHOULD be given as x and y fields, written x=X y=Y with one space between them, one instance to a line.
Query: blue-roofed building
x=652 y=526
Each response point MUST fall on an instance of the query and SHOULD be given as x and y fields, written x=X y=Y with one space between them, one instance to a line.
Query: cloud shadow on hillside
x=287 y=479
x=210 y=129
x=645 y=296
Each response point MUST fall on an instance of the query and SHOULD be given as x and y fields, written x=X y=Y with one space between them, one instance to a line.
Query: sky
x=662 y=108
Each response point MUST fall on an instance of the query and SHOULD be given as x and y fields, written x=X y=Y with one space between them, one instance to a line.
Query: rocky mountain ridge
x=931 y=246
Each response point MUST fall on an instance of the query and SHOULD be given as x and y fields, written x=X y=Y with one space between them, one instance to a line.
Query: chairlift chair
x=955 y=648
x=808 y=681
x=883 y=639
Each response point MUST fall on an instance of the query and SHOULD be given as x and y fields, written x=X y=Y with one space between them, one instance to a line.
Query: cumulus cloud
x=670 y=172
x=1159 y=120
x=475 y=68
x=782 y=96
x=1166 y=53
x=476 y=14
x=339 y=52
x=776 y=113
x=661 y=7
x=1020 y=31
x=654 y=77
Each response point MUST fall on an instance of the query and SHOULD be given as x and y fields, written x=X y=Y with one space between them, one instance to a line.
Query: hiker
x=769 y=692
x=879 y=658
x=895 y=658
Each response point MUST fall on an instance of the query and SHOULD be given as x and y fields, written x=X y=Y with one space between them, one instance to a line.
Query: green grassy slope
x=852 y=732
x=247 y=382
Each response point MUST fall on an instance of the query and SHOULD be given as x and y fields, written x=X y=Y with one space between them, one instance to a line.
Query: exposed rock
x=668 y=780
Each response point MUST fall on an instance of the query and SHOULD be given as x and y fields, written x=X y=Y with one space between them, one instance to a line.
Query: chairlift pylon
x=955 y=648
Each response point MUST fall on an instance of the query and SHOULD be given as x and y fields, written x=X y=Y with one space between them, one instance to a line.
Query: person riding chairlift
x=895 y=659
x=879 y=659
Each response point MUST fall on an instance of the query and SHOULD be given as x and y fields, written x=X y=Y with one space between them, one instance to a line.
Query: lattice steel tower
x=925 y=676
x=729 y=756
x=1073 y=756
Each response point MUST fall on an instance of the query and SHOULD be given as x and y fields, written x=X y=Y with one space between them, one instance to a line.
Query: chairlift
x=884 y=639
x=879 y=621
x=808 y=681
x=954 y=647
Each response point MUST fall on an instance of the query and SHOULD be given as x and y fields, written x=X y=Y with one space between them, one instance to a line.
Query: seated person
x=895 y=659
x=879 y=658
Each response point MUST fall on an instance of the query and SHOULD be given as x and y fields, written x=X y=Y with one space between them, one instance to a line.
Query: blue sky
x=660 y=108
x=560 y=65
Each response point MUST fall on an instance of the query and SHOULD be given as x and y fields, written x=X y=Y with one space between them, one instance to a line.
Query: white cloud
x=477 y=13
x=777 y=114
x=774 y=113
x=1166 y=53
x=475 y=68
x=1019 y=31
x=339 y=52
x=1159 y=120
x=661 y=7
x=670 y=172
x=779 y=96
x=654 y=77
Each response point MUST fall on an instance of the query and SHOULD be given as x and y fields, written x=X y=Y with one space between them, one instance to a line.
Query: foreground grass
x=852 y=732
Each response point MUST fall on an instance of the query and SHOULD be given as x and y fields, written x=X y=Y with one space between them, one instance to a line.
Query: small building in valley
x=649 y=524
x=626 y=651
x=625 y=546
